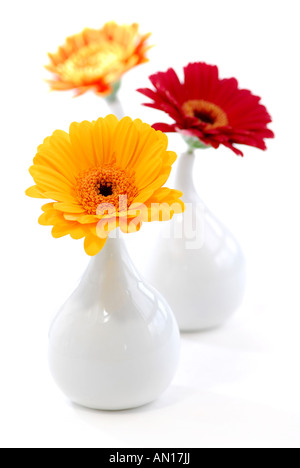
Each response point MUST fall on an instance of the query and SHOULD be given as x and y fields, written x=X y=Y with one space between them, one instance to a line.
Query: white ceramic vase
x=115 y=343
x=198 y=265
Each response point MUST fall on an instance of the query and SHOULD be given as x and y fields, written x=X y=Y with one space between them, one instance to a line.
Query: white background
x=238 y=386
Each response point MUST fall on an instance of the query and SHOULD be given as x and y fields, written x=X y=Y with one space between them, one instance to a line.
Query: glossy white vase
x=115 y=343
x=198 y=267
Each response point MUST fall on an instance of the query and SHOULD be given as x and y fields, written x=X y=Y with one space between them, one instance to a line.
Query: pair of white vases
x=115 y=344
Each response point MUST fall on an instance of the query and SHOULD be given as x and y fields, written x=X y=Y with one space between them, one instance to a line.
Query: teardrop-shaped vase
x=198 y=266
x=115 y=343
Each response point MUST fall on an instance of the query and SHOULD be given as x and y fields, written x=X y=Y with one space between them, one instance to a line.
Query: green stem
x=113 y=95
x=194 y=143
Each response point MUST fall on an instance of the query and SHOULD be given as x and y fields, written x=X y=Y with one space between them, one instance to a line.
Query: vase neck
x=184 y=178
x=110 y=262
x=113 y=247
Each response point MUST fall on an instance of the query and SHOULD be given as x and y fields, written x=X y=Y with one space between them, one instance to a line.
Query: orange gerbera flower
x=103 y=175
x=97 y=59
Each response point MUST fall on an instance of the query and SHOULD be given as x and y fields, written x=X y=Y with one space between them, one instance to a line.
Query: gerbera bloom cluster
x=97 y=59
x=103 y=175
x=212 y=110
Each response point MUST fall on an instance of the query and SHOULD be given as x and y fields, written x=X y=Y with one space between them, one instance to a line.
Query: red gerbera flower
x=214 y=111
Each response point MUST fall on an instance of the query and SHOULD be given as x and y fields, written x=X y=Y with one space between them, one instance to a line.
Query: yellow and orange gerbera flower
x=97 y=59
x=103 y=175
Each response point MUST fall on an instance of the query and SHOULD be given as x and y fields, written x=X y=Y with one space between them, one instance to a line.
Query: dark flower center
x=105 y=189
x=204 y=117
x=208 y=114
x=108 y=187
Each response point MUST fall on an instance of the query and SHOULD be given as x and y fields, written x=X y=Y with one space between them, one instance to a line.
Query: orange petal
x=60 y=197
x=33 y=192
x=62 y=230
x=82 y=143
x=159 y=181
x=69 y=207
x=93 y=244
x=60 y=85
x=49 y=218
x=125 y=142
x=81 y=218
x=102 y=139
x=170 y=158
x=104 y=227
x=143 y=196
x=56 y=152
x=48 y=179
x=131 y=225
x=47 y=206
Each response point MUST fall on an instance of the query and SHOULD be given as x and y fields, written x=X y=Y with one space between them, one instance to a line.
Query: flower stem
x=194 y=143
x=116 y=108
x=115 y=89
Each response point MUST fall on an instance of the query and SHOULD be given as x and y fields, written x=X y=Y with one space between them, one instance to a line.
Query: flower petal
x=33 y=192
x=93 y=244
x=69 y=207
